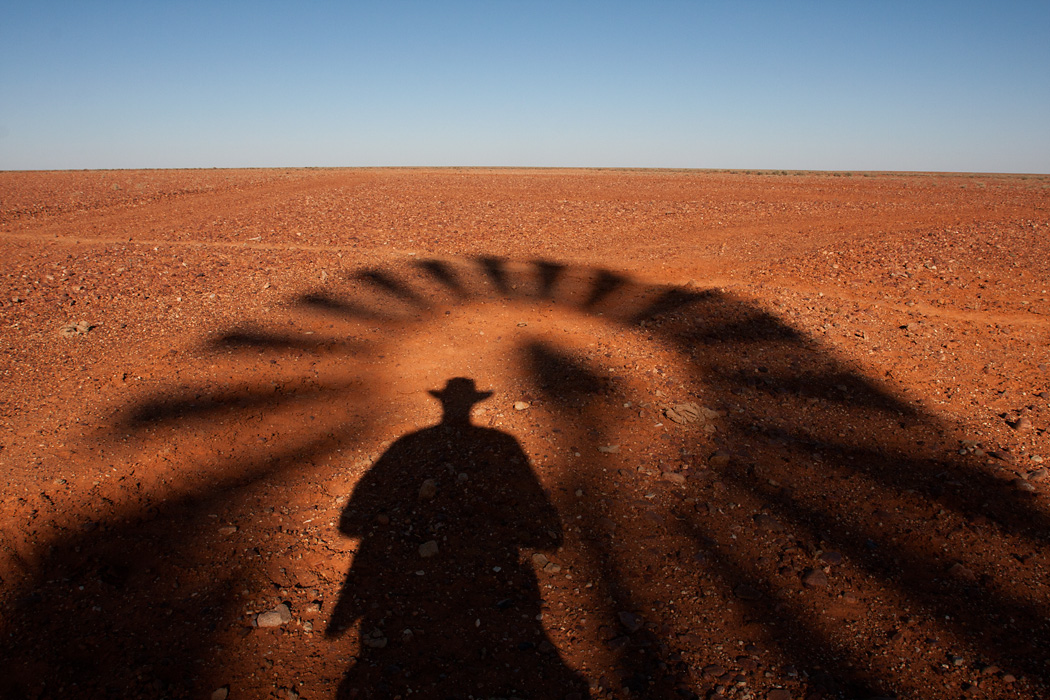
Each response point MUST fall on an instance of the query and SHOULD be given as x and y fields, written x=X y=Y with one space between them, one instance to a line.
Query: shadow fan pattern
x=683 y=546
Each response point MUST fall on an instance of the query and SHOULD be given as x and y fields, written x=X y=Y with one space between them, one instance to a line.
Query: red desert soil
x=524 y=434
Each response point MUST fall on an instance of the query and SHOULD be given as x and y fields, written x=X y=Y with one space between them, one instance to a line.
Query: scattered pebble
x=609 y=449
x=73 y=329
x=274 y=618
x=520 y=405
x=962 y=573
x=767 y=522
x=719 y=459
x=631 y=621
x=713 y=671
x=428 y=490
x=1022 y=485
x=684 y=413
x=428 y=549
x=374 y=639
x=814 y=578
x=220 y=693
x=1022 y=423
x=831 y=558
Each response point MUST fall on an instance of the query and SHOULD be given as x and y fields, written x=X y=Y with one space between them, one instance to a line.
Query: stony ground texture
x=750 y=435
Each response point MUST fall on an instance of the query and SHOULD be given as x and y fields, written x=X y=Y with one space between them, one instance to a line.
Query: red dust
x=741 y=435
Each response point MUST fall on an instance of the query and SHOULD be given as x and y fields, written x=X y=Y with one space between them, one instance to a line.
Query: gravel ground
x=524 y=433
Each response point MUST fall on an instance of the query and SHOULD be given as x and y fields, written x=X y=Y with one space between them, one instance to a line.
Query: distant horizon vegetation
x=780 y=172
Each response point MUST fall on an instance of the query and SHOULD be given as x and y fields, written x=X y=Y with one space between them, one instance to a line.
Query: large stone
x=274 y=618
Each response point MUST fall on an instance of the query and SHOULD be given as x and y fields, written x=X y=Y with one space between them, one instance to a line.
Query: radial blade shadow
x=386 y=282
x=445 y=275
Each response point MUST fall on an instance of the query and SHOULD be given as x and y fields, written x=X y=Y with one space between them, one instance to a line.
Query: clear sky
x=840 y=85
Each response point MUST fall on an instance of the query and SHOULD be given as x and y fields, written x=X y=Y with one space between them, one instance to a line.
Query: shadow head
x=458 y=398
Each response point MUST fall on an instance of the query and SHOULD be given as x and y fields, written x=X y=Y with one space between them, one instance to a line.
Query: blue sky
x=842 y=85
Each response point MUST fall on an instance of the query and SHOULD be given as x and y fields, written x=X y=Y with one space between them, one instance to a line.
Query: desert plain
x=498 y=433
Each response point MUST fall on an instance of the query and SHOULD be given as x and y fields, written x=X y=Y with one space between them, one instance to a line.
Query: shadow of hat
x=460 y=390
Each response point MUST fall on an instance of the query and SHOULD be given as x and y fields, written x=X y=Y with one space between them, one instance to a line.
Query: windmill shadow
x=913 y=525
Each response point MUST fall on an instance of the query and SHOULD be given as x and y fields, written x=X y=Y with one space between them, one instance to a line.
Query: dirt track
x=242 y=420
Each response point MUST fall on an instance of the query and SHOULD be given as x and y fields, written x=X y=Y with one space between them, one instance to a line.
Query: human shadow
x=452 y=520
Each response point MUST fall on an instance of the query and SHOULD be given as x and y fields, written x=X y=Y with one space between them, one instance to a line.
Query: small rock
x=520 y=405
x=73 y=329
x=768 y=523
x=1039 y=474
x=719 y=459
x=674 y=477
x=383 y=519
x=684 y=413
x=1022 y=423
x=428 y=490
x=552 y=568
x=220 y=693
x=962 y=573
x=713 y=671
x=814 y=578
x=830 y=558
x=274 y=618
x=609 y=449
x=540 y=559
x=1009 y=678
x=375 y=639
x=631 y=621
x=1022 y=485
x=227 y=530
x=428 y=549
